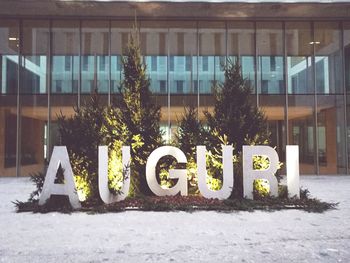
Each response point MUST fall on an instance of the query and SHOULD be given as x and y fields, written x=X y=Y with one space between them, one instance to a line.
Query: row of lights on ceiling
x=311 y=43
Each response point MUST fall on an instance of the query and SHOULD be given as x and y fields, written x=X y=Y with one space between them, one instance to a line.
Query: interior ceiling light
x=315 y=43
x=13 y=38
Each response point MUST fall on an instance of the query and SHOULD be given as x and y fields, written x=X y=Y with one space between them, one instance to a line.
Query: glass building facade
x=299 y=72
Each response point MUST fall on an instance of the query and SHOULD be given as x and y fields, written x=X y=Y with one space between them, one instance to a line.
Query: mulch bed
x=180 y=203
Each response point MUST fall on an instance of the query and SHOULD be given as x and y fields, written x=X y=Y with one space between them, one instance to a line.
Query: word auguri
x=60 y=158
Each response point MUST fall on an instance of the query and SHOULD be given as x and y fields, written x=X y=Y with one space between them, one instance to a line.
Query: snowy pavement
x=281 y=236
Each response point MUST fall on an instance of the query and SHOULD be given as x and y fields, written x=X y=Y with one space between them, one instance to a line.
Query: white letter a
x=60 y=157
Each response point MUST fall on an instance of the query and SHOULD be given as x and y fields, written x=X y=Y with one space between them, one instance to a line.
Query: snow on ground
x=281 y=236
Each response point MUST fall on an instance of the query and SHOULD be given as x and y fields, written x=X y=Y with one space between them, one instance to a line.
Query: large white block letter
x=228 y=176
x=181 y=174
x=249 y=174
x=60 y=157
x=292 y=163
x=106 y=196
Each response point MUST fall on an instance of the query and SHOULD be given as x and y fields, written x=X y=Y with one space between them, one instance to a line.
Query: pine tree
x=190 y=132
x=138 y=113
x=236 y=118
x=235 y=115
x=82 y=134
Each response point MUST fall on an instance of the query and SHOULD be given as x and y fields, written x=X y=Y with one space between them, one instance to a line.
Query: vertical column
x=109 y=62
x=19 y=83
x=79 y=82
x=345 y=99
x=285 y=73
x=315 y=97
x=49 y=90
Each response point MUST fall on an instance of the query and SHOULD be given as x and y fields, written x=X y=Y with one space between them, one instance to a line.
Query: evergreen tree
x=190 y=132
x=82 y=134
x=235 y=115
x=236 y=118
x=138 y=113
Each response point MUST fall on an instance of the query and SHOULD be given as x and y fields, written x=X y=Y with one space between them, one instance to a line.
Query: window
x=162 y=86
x=195 y=86
x=95 y=50
x=154 y=63
x=205 y=63
x=85 y=63
x=179 y=86
x=58 y=86
x=103 y=60
x=269 y=37
x=273 y=63
x=172 y=63
x=67 y=63
x=188 y=63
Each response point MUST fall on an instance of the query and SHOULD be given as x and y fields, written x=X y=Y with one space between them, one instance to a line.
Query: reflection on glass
x=183 y=81
x=33 y=97
x=8 y=95
x=301 y=125
x=331 y=134
x=120 y=31
x=65 y=74
x=330 y=108
x=241 y=45
x=299 y=61
x=271 y=81
x=273 y=107
x=328 y=60
x=270 y=58
x=94 y=60
x=301 y=114
x=65 y=57
x=346 y=43
x=153 y=40
x=212 y=55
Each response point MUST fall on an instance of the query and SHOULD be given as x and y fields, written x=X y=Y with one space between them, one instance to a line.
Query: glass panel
x=330 y=109
x=347 y=79
x=331 y=134
x=34 y=61
x=271 y=81
x=299 y=54
x=212 y=55
x=65 y=57
x=94 y=59
x=301 y=125
x=328 y=60
x=65 y=73
x=120 y=31
x=183 y=79
x=273 y=107
x=241 y=44
x=153 y=41
x=301 y=108
x=270 y=58
x=8 y=96
x=33 y=97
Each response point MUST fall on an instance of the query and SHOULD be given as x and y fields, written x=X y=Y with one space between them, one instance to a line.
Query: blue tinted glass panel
x=153 y=41
x=328 y=58
x=241 y=45
x=270 y=62
x=95 y=61
x=299 y=58
x=212 y=52
x=64 y=78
